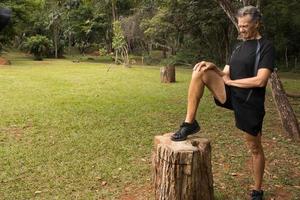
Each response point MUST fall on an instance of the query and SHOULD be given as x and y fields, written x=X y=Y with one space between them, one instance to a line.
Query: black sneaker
x=185 y=130
x=257 y=195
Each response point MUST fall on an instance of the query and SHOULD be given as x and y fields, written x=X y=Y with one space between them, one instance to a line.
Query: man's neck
x=256 y=37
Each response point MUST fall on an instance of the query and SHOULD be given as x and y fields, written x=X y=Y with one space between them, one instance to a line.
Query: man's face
x=247 y=27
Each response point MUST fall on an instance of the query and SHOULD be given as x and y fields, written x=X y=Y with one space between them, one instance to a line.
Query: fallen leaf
x=278 y=186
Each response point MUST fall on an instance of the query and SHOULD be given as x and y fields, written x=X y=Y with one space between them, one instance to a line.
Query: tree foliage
x=184 y=30
x=119 y=44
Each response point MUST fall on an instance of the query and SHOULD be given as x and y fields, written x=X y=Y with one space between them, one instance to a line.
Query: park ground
x=84 y=130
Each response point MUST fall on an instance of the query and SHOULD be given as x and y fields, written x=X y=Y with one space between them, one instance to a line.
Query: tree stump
x=182 y=170
x=167 y=74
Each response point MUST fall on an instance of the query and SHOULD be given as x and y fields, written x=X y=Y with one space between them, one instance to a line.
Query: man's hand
x=203 y=66
x=198 y=66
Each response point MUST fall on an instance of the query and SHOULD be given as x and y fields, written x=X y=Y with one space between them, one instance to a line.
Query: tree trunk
x=113 y=8
x=150 y=45
x=70 y=43
x=258 y=3
x=167 y=74
x=116 y=57
x=226 y=5
x=288 y=117
x=164 y=52
x=286 y=58
x=246 y=2
x=226 y=42
x=108 y=41
x=55 y=42
x=182 y=170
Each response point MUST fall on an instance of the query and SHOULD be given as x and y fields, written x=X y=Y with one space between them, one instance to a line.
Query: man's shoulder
x=266 y=42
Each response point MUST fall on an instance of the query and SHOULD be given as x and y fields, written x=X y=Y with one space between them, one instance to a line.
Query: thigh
x=215 y=83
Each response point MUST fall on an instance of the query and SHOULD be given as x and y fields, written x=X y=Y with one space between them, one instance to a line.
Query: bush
x=151 y=60
x=102 y=51
x=37 y=45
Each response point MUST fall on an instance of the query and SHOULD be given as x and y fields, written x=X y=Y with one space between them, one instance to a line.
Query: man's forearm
x=260 y=80
x=246 y=82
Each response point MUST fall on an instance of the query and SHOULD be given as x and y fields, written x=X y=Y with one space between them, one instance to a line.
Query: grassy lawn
x=85 y=131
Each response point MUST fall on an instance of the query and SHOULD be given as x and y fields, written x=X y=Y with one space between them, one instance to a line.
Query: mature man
x=239 y=87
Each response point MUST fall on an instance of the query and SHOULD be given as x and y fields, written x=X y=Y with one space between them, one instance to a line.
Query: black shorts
x=247 y=118
x=228 y=103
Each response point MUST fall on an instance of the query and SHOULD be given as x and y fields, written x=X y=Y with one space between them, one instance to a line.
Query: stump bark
x=167 y=74
x=182 y=170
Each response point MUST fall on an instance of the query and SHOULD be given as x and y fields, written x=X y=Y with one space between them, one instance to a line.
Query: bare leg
x=258 y=159
x=208 y=78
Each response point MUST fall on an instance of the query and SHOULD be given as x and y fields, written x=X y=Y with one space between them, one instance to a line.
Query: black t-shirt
x=242 y=65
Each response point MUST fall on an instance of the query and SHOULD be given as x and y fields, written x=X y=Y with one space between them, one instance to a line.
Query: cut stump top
x=193 y=143
x=182 y=152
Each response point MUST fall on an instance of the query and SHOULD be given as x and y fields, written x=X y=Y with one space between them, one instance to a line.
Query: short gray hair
x=250 y=10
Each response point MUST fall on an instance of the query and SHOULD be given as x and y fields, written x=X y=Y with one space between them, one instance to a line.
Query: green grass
x=65 y=128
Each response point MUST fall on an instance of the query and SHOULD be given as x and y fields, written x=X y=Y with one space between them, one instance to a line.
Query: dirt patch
x=131 y=192
x=282 y=194
x=4 y=61
x=94 y=53
x=15 y=131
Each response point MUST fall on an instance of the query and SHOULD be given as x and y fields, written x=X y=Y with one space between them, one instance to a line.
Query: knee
x=197 y=74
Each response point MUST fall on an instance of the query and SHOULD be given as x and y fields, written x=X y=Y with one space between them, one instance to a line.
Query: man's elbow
x=261 y=83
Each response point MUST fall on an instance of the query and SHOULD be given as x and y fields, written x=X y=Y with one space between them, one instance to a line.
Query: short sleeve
x=267 y=58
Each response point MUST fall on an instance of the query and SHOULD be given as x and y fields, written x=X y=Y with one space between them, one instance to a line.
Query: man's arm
x=260 y=80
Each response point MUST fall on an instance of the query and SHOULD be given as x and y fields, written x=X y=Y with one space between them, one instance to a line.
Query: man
x=239 y=87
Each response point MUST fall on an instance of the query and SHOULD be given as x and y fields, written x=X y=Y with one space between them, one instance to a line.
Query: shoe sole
x=182 y=139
